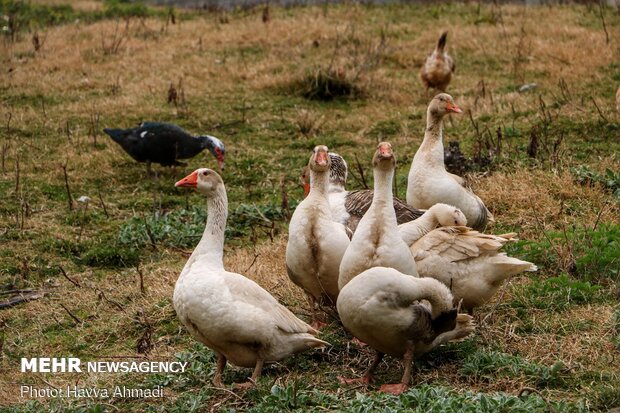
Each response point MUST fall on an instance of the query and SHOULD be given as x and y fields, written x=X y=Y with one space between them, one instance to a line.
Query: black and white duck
x=165 y=144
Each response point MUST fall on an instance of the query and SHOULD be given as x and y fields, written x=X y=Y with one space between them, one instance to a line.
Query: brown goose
x=348 y=207
x=438 y=68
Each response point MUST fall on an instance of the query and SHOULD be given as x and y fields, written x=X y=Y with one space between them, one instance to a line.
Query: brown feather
x=358 y=202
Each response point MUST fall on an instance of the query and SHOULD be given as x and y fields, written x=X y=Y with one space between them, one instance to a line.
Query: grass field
x=550 y=340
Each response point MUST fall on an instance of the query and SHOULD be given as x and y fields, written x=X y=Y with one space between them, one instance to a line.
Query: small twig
x=267 y=220
x=599 y=110
x=532 y=390
x=58 y=322
x=77 y=320
x=284 y=205
x=47 y=382
x=497 y=302
x=149 y=233
x=17 y=291
x=360 y=169
x=141 y=275
x=105 y=210
x=16 y=175
x=69 y=198
x=252 y=264
x=600 y=10
x=8 y=124
x=224 y=390
x=598 y=216
x=551 y=243
x=474 y=124
x=498 y=145
x=68 y=130
x=5 y=149
x=115 y=303
x=64 y=273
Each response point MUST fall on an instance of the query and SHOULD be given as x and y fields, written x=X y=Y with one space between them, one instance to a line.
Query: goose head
x=445 y=321
x=204 y=180
x=216 y=147
x=448 y=215
x=442 y=104
x=384 y=157
x=319 y=160
x=338 y=171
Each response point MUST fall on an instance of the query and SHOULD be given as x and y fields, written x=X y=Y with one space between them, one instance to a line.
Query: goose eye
x=205 y=173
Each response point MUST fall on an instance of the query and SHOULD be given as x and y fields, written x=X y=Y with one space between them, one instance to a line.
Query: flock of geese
x=395 y=273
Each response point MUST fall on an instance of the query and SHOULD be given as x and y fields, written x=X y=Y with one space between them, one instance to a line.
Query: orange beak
x=451 y=107
x=190 y=181
x=306 y=189
x=321 y=158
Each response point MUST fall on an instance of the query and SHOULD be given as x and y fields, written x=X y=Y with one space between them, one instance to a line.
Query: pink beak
x=451 y=107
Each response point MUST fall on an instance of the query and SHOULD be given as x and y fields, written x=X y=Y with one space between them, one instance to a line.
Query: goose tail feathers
x=442 y=41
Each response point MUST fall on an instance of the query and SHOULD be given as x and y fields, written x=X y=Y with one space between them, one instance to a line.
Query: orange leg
x=221 y=363
x=358 y=342
x=252 y=381
x=406 y=379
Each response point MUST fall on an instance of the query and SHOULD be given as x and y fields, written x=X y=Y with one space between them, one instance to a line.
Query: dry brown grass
x=245 y=63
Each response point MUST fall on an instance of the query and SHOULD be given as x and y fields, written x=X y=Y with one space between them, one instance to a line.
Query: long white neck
x=319 y=184
x=382 y=192
x=437 y=294
x=412 y=231
x=432 y=145
x=210 y=249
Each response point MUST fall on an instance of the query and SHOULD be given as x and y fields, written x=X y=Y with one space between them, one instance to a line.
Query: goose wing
x=460 y=243
x=256 y=299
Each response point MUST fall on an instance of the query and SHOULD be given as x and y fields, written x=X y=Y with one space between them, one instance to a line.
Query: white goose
x=316 y=243
x=429 y=183
x=439 y=214
x=385 y=309
x=468 y=262
x=232 y=315
x=348 y=207
x=377 y=242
